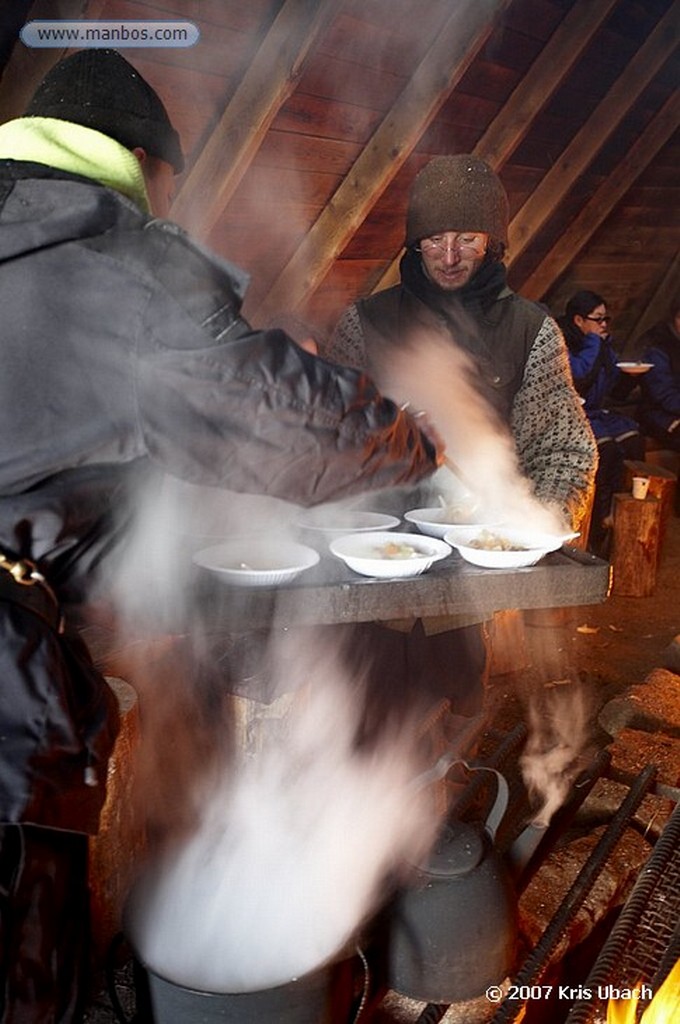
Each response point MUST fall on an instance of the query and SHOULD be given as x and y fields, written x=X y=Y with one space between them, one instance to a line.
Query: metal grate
x=538 y=960
x=645 y=941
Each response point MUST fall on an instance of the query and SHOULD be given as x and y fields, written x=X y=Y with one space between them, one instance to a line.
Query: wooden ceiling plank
x=454 y=48
x=270 y=79
x=658 y=307
x=611 y=191
x=548 y=71
x=543 y=78
x=587 y=142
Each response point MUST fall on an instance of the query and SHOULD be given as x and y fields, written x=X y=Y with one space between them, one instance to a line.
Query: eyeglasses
x=598 y=319
x=466 y=245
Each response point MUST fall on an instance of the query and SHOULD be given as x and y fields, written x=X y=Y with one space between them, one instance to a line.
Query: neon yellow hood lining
x=76 y=149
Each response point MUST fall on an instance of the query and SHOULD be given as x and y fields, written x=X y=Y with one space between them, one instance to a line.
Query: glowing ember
x=664 y=1007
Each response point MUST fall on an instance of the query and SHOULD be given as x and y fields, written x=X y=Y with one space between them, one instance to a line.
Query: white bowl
x=363 y=553
x=254 y=562
x=529 y=547
x=337 y=522
x=436 y=522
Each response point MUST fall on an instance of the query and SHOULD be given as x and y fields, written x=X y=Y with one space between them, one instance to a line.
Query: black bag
x=59 y=720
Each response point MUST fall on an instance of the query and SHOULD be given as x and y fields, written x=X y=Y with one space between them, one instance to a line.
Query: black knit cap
x=457 y=193
x=100 y=90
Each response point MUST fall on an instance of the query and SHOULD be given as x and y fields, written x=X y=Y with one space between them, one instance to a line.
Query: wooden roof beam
x=602 y=202
x=548 y=71
x=453 y=50
x=551 y=67
x=588 y=141
x=269 y=81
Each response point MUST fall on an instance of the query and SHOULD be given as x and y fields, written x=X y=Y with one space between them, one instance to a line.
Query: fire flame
x=663 y=1009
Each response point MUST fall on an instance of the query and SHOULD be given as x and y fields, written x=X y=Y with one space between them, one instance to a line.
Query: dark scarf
x=476 y=298
x=484 y=317
x=465 y=310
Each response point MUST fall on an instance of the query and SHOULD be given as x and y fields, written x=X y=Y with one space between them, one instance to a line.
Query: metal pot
x=304 y=1001
x=323 y=996
x=454 y=930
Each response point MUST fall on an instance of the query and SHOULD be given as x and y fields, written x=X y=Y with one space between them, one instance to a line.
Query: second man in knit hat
x=453 y=284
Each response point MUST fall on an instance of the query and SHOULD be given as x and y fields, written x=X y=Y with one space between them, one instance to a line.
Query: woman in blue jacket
x=598 y=380
x=660 y=405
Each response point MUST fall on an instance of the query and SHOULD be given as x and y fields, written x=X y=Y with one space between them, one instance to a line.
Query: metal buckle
x=23 y=571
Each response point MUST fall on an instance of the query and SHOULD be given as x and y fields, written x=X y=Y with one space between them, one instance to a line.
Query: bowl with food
x=255 y=562
x=389 y=555
x=506 y=547
x=452 y=518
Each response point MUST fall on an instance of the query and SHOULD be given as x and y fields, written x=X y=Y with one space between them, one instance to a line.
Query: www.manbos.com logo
x=109 y=33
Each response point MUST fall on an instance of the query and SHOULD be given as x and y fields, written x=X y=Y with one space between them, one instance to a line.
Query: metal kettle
x=453 y=931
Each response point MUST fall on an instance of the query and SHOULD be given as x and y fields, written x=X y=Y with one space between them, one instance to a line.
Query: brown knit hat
x=100 y=89
x=457 y=193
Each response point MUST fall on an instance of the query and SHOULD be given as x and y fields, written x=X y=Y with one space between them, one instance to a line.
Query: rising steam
x=433 y=375
x=558 y=735
x=294 y=844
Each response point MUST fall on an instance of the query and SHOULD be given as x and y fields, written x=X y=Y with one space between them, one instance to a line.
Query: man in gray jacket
x=124 y=352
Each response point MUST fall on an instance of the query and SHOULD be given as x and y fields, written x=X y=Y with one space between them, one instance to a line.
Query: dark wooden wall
x=305 y=121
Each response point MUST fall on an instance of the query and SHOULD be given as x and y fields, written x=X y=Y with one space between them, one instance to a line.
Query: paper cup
x=640 y=486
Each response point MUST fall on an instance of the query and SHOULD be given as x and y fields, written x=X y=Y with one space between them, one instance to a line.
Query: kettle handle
x=500 y=804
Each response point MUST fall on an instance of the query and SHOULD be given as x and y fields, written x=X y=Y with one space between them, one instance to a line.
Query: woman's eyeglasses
x=598 y=319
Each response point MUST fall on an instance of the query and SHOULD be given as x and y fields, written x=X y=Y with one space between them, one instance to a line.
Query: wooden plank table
x=330 y=593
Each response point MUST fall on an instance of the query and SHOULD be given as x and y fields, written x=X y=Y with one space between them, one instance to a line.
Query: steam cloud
x=294 y=844
x=558 y=734
x=296 y=840
x=437 y=377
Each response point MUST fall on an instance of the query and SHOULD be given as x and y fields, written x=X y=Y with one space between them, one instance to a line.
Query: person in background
x=124 y=355
x=453 y=281
x=601 y=384
x=659 y=409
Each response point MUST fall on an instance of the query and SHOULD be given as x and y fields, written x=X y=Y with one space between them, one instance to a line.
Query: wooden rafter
x=551 y=67
x=269 y=81
x=594 y=133
x=656 y=134
x=545 y=75
x=456 y=45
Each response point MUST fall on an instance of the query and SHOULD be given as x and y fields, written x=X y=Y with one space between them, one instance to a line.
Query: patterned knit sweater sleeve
x=554 y=441
x=347 y=346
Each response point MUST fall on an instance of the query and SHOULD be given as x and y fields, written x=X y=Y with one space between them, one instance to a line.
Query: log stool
x=662 y=485
x=635 y=545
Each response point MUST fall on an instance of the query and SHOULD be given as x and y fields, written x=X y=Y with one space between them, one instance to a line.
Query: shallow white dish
x=435 y=522
x=363 y=553
x=253 y=562
x=342 y=521
x=530 y=547
x=635 y=367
